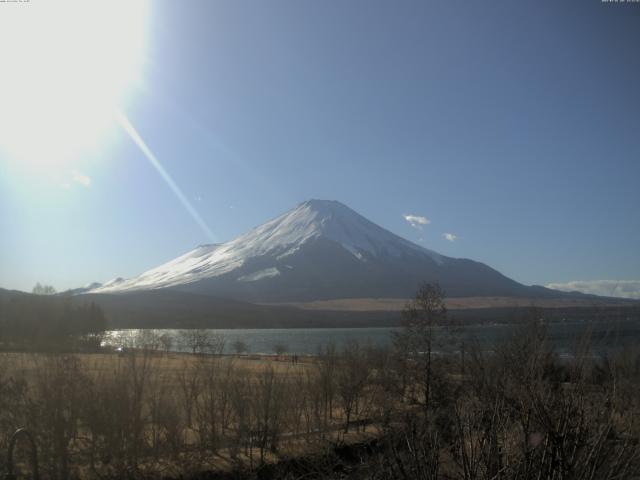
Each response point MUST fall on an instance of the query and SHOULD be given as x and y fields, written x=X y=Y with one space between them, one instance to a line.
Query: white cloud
x=607 y=288
x=416 y=221
x=450 y=236
x=81 y=178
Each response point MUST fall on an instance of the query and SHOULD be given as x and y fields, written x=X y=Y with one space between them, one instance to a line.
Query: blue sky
x=513 y=126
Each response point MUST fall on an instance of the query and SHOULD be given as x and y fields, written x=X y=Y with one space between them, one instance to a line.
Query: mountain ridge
x=320 y=249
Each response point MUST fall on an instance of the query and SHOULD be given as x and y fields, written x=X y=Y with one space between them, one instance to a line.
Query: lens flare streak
x=153 y=160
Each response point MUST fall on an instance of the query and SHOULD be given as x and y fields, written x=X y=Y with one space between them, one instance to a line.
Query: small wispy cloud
x=81 y=178
x=450 y=237
x=607 y=288
x=416 y=221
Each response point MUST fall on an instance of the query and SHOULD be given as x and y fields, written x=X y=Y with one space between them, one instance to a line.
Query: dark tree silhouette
x=414 y=343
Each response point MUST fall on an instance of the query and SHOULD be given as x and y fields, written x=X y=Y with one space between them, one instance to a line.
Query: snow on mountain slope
x=112 y=283
x=259 y=275
x=278 y=239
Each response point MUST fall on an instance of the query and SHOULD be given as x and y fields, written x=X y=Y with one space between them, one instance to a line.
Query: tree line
x=43 y=321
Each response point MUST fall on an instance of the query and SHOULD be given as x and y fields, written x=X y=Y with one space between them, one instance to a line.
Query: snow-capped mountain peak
x=335 y=221
x=277 y=239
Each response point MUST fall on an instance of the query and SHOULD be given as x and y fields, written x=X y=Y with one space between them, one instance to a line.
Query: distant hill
x=6 y=294
x=174 y=309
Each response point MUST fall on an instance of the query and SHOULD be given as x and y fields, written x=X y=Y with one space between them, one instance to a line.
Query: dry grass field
x=145 y=413
x=170 y=364
x=454 y=303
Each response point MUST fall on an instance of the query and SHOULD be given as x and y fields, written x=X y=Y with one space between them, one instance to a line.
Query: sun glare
x=66 y=65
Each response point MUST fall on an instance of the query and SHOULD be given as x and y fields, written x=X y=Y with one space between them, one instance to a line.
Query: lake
x=307 y=341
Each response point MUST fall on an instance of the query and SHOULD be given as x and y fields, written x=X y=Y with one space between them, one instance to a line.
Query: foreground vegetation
x=516 y=411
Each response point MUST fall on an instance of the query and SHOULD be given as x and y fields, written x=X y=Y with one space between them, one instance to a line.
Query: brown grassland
x=454 y=303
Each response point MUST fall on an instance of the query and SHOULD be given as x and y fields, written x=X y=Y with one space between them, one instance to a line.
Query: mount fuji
x=320 y=250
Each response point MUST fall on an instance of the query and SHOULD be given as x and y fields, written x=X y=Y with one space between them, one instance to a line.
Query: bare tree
x=166 y=340
x=200 y=340
x=414 y=343
x=189 y=387
x=40 y=289
x=327 y=364
x=240 y=346
x=55 y=410
x=148 y=340
x=268 y=405
x=216 y=343
x=280 y=349
x=352 y=378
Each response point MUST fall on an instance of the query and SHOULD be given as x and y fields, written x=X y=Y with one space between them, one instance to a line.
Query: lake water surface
x=308 y=341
